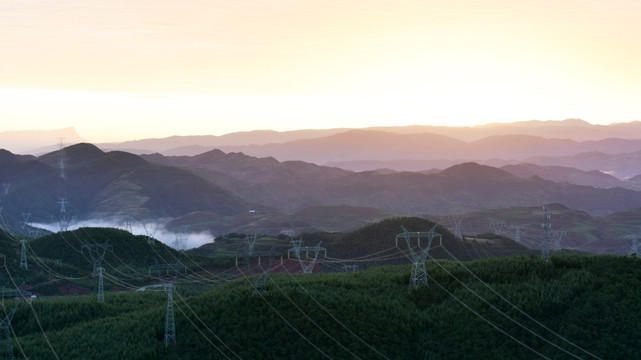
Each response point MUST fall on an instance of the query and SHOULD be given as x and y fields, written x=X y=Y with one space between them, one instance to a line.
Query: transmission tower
x=179 y=242
x=297 y=249
x=150 y=230
x=33 y=232
x=5 y=327
x=101 y=287
x=546 y=226
x=251 y=241
x=97 y=253
x=63 y=205
x=259 y=281
x=557 y=236
x=350 y=268
x=519 y=230
x=170 y=323
x=25 y=219
x=497 y=227
x=458 y=228
x=23 y=254
x=419 y=274
x=129 y=221
x=63 y=222
x=176 y=267
x=634 y=244
x=6 y=187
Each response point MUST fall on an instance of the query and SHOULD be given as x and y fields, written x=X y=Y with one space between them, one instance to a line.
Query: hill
x=581 y=231
x=623 y=165
x=62 y=263
x=518 y=307
x=291 y=186
x=380 y=238
x=569 y=175
x=126 y=251
x=98 y=184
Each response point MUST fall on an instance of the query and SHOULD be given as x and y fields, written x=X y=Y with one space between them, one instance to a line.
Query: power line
x=512 y=305
x=486 y=319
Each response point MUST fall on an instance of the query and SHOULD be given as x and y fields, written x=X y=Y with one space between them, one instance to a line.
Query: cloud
x=176 y=240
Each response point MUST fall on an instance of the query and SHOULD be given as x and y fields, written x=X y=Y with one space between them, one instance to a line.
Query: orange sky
x=120 y=70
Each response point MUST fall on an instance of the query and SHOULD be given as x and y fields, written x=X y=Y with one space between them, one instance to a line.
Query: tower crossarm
x=97 y=253
x=155 y=286
x=409 y=235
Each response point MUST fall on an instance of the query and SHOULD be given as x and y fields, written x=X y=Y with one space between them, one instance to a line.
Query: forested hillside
x=500 y=305
x=521 y=307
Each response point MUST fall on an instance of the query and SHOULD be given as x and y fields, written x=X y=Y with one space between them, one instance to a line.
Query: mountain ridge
x=574 y=129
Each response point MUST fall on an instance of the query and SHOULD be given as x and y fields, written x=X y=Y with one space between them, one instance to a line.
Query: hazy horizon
x=25 y=141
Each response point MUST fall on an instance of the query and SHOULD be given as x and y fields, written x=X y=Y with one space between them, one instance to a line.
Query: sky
x=119 y=70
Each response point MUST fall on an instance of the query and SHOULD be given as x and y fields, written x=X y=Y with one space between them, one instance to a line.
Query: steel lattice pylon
x=307 y=267
x=419 y=273
x=97 y=253
x=6 y=187
x=6 y=342
x=545 y=251
x=101 y=287
x=251 y=242
x=23 y=255
x=259 y=281
x=170 y=323
x=634 y=244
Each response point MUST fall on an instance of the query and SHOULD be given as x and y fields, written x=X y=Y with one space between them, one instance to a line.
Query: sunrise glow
x=118 y=70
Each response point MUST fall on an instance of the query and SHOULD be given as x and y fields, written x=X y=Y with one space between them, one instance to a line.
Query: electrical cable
x=517 y=308
x=288 y=322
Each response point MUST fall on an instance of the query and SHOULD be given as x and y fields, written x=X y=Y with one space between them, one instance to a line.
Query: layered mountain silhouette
x=102 y=184
x=99 y=184
x=613 y=149
x=279 y=181
x=574 y=129
x=292 y=185
x=570 y=175
x=365 y=145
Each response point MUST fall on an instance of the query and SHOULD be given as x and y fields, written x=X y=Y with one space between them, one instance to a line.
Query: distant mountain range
x=332 y=180
x=612 y=149
x=562 y=174
x=222 y=192
x=572 y=143
x=367 y=145
x=103 y=184
x=293 y=185
x=572 y=129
